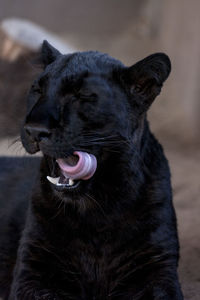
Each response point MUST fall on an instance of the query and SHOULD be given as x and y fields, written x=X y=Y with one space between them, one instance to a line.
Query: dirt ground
x=186 y=184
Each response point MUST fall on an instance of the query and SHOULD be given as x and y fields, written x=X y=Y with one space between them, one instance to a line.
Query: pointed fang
x=53 y=180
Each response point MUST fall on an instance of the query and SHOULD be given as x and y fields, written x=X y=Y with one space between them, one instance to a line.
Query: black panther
x=98 y=220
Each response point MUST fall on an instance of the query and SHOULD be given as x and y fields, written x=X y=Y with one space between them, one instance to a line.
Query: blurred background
x=128 y=30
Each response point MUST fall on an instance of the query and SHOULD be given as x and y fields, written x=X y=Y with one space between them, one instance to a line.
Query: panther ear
x=48 y=53
x=145 y=79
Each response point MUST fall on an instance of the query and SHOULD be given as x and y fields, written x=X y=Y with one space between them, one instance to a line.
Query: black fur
x=115 y=236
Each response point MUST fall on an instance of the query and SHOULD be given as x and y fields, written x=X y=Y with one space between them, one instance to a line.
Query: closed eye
x=87 y=97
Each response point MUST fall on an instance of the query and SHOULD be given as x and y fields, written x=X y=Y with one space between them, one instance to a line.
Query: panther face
x=86 y=107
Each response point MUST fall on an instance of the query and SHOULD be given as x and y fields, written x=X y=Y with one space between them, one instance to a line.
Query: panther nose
x=37 y=131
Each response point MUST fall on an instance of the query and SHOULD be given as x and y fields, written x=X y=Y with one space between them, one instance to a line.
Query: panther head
x=86 y=108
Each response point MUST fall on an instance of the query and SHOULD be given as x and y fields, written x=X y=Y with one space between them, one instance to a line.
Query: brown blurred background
x=128 y=30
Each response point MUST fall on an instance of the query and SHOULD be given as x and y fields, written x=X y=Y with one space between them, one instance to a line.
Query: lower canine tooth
x=53 y=180
x=71 y=182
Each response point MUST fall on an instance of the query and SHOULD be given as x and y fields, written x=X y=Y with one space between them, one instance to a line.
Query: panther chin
x=73 y=169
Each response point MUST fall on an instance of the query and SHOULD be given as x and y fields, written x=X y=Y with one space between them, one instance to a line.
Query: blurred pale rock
x=10 y=50
x=30 y=35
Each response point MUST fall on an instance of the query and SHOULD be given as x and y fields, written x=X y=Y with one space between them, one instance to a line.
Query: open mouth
x=73 y=169
x=63 y=183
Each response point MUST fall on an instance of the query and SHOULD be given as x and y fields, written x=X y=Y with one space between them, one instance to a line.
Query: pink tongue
x=84 y=168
